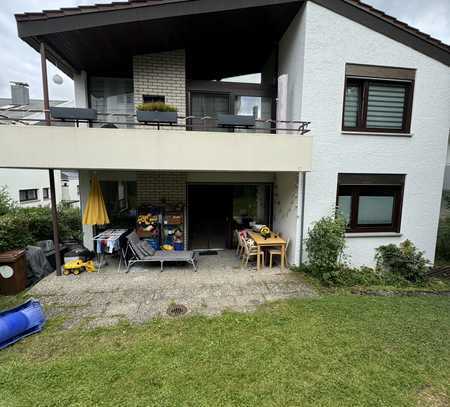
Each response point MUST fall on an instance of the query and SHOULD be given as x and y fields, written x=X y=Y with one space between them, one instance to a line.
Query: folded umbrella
x=95 y=211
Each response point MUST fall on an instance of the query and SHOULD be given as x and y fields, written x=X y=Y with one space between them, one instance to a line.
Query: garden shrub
x=39 y=222
x=353 y=276
x=20 y=227
x=6 y=203
x=443 y=240
x=404 y=260
x=325 y=246
x=446 y=199
x=70 y=223
x=14 y=231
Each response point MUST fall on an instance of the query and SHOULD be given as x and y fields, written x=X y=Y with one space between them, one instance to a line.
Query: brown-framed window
x=368 y=205
x=28 y=195
x=374 y=105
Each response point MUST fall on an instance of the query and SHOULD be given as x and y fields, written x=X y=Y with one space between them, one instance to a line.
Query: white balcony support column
x=299 y=249
x=287 y=211
x=88 y=230
x=81 y=89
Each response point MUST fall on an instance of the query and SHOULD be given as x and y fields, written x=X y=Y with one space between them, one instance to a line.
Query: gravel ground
x=105 y=298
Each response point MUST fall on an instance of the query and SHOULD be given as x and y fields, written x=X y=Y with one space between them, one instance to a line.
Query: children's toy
x=19 y=322
x=85 y=262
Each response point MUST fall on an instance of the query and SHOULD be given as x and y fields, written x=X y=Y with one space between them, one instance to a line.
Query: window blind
x=352 y=104
x=385 y=106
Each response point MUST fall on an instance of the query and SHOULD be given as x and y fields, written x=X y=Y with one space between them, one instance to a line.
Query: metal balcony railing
x=124 y=120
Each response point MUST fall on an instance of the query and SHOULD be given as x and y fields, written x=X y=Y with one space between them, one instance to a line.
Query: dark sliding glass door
x=208 y=105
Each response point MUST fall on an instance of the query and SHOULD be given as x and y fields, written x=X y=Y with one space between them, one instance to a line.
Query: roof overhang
x=103 y=39
x=389 y=26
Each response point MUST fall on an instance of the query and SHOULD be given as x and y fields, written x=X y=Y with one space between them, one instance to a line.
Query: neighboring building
x=70 y=188
x=375 y=90
x=26 y=187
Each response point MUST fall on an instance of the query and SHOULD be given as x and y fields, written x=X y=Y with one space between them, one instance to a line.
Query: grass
x=334 y=351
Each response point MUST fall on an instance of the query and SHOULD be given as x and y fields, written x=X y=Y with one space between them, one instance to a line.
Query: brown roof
x=93 y=8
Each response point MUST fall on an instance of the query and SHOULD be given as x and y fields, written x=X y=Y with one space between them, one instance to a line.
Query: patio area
x=108 y=297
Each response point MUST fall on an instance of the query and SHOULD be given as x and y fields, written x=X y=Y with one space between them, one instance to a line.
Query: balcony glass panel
x=112 y=96
x=258 y=107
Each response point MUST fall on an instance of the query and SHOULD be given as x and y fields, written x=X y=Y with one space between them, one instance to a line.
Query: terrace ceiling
x=222 y=38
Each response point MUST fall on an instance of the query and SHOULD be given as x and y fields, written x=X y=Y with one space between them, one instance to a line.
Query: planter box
x=156 y=117
x=232 y=120
x=73 y=113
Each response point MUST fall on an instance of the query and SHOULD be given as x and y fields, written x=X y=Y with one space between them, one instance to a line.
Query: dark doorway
x=210 y=214
x=215 y=210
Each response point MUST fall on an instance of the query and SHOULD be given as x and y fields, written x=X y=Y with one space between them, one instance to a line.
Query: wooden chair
x=241 y=236
x=277 y=252
x=237 y=236
x=250 y=251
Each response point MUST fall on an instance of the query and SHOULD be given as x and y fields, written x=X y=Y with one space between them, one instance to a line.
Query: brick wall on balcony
x=161 y=187
x=161 y=74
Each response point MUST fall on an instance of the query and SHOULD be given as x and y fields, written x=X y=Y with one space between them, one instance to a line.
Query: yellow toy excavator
x=84 y=263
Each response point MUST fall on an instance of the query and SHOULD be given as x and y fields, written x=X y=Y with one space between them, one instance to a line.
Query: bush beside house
x=443 y=241
x=20 y=227
x=395 y=265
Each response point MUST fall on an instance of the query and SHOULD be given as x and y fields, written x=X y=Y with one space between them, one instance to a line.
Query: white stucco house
x=374 y=93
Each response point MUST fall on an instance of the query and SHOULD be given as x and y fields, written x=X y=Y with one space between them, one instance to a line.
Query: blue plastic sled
x=20 y=322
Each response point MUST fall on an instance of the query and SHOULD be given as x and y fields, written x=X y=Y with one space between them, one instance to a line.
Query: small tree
x=325 y=246
x=6 y=202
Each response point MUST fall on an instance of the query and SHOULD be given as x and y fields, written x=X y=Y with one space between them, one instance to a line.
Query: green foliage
x=329 y=351
x=6 y=202
x=70 y=223
x=405 y=261
x=443 y=240
x=14 y=231
x=396 y=265
x=156 y=107
x=446 y=198
x=353 y=276
x=325 y=246
x=20 y=227
x=39 y=222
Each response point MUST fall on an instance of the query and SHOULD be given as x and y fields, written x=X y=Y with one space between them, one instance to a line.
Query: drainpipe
x=50 y=171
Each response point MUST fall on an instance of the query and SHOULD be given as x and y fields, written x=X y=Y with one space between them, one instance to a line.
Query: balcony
x=127 y=145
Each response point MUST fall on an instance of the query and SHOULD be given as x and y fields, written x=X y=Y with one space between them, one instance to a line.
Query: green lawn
x=333 y=351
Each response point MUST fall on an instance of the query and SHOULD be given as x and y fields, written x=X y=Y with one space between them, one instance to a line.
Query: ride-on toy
x=84 y=263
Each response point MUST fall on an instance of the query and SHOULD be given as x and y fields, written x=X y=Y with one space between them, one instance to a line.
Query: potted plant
x=156 y=112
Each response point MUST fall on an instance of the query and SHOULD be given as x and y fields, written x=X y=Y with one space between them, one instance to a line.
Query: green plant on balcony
x=156 y=107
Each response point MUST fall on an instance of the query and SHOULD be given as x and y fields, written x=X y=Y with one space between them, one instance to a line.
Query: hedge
x=20 y=227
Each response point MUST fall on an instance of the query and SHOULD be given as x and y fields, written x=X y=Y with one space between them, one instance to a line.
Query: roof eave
x=399 y=32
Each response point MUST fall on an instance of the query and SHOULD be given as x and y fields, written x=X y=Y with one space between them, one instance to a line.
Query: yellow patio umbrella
x=95 y=211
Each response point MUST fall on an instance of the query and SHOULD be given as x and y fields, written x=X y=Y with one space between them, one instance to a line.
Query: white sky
x=21 y=63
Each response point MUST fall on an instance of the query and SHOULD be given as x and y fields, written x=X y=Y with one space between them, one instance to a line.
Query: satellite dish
x=57 y=79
